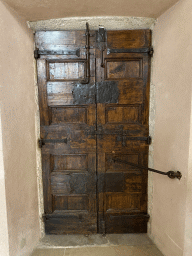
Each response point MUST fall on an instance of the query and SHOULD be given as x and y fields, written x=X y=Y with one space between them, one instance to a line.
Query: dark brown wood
x=128 y=39
x=85 y=191
x=123 y=189
x=69 y=169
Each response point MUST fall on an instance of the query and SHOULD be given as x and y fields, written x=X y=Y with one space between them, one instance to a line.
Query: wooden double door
x=94 y=101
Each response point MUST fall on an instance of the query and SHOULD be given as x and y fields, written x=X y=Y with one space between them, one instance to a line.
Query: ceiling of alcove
x=34 y=10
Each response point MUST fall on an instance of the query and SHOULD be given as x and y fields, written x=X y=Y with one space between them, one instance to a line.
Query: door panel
x=69 y=169
x=126 y=39
x=122 y=119
x=85 y=191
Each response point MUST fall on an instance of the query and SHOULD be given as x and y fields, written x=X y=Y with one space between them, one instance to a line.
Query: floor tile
x=97 y=245
x=72 y=240
x=48 y=252
x=129 y=239
x=144 y=250
x=91 y=251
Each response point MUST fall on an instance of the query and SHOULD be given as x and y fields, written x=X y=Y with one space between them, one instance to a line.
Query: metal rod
x=170 y=174
x=87 y=76
x=102 y=60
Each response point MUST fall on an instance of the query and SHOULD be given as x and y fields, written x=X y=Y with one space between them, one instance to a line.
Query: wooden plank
x=46 y=165
x=42 y=89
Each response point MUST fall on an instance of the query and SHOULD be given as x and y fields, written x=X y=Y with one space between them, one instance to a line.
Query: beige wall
x=18 y=129
x=188 y=213
x=52 y=9
x=172 y=41
x=4 y=243
x=171 y=201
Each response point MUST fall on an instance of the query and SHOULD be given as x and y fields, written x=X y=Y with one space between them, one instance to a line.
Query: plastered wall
x=171 y=213
x=170 y=123
x=53 y=9
x=18 y=108
x=4 y=241
x=188 y=209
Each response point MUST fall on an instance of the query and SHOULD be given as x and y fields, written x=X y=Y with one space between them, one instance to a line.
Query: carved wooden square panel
x=65 y=70
x=69 y=115
x=123 y=69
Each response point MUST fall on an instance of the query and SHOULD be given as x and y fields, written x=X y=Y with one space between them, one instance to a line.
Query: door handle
x=102 y=60
x=170 y=174
x=42 y=142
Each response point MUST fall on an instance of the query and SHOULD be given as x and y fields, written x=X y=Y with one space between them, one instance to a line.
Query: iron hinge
x=149 y=139
x=125 y=138
x=42 y=142
x=44 y=217
x=36 y=54
x=151 y=51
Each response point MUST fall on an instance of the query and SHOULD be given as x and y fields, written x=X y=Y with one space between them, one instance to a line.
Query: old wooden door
x=94 y=100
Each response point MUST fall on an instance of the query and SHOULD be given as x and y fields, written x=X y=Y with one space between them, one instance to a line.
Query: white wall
x=172 y=41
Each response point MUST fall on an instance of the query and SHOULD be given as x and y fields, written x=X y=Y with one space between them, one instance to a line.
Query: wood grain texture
x=69 y=179
x=85 y=191
x=123 y=189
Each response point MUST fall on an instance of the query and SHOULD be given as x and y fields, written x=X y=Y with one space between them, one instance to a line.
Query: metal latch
x=101 y=35
x=101 y=39
x=87 y=61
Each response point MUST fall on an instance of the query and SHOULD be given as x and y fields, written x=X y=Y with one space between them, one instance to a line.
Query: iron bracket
x=101 y=35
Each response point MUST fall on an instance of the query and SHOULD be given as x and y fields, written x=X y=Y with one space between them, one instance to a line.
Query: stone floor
x=97 y=245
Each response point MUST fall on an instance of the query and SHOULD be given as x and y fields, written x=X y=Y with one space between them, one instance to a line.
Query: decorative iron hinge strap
x=148 y=50
x=120 y=135
x=147 y=139
x=170 y=174
x=38 y=53
x=42 y=142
